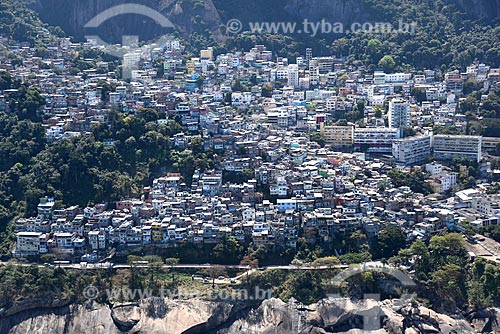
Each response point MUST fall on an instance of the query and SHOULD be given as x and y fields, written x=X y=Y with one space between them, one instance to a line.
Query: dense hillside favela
x=249 y=167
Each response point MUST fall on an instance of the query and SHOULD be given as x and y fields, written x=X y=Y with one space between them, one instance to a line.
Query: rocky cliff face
x=201 y=15
x=72 y=16
x=158 y=316
x=487 y=10
x=345 y=11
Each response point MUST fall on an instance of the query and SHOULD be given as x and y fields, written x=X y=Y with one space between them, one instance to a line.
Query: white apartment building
x=375 y=139
x=487 y=205
x=447 y=147
x=278 y=117
x=399 y=114
x=293 y=75
x=324 y=64
x=241 y=99
x=397 y=77
x=378 y=78
x=130 y=62
x=433 y=168
x=281 y=74
x=30 y=243
x=331 y=104
x=444 y=181
x=489 y=143
x=97 y=239
x=412 y=150
x=280 y=188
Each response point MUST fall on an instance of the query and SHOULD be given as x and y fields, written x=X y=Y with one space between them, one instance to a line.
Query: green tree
x=5 y=80
x=389 y=241
x=328 y=261
x=387 y=64
x=318 y=138
x=448 y=248
x=227 y=251
x=267 y=90
x=361 y=106
x=196 y=145
x=214 y=272
x=416 y=181
x=237 y=86
x=449 y=285
x=419 y=94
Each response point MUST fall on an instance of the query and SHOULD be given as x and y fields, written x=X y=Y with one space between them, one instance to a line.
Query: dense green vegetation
x=483 y=115
x=442 y=268
x=22 y=24
x=18 y=22
x=446 y=279
x=39 y=286
x=20 y=140
x=416 y=181
x=83 y=170
x=43 y=285
x=24 y=100
x=445 y=36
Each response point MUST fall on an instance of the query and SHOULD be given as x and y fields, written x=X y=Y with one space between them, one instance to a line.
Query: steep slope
x=189 y=16
x=18 y=22
x=201 y=15
x=345 y=11
x=487 y=10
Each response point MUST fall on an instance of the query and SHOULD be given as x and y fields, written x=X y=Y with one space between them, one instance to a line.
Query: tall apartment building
x=399 y=114
x=447 y=147
x=338 y=136
x=293 y=75
x=375 y=139
x=309 y=56
x=412 y=150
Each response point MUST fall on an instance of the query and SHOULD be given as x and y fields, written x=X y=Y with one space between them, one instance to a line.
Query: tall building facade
x=293 y=75
x=412 y=150
x=338 y=136
x=399 y=115
x=374 y=139
x=447 y=147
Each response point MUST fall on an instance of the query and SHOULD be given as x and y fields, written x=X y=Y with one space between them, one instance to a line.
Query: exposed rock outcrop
x=201 y=15
x=152 y=316
x=481 y=9
x=344 y=11
x=187 y=16
x=345 y=316
x=485 y=321
x=163 y=316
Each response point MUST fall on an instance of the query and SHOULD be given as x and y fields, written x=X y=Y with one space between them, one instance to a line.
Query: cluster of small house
x=327 y=195
x=257 y=112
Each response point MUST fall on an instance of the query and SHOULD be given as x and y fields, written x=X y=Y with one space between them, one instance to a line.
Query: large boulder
x=126 y=316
